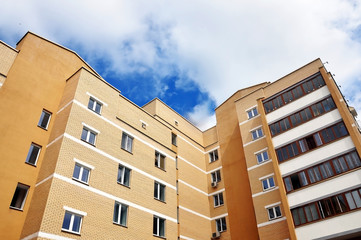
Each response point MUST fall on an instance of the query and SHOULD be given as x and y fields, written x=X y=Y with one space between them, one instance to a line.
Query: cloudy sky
x=194 y=54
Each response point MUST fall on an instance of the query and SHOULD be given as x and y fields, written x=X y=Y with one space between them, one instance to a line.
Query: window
x=123 y=175
x=94 y=105
x=120 y=214
x=127 y=142
x=44 y=119
x=274 y=212
x=159 y=160
x=322 y=171
x=19 y=197
x=218 y=199
x=302 y=116
x=328 y=207
x=159 y=191
x=88 y=136
x=221 y=224
x=262 y=157
x=174 y=139
x=213 y=156
x=158 y=226
x=33 y=154
x=257 y=133
x=312 y=141
x=216 y=176
x=72 y=222
x=268 y=183
x=81 y=173
x=294 y=93
x=252 y=113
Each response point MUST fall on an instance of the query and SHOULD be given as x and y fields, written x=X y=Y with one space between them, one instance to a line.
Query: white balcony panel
x=307 y=128
x=327 y=188
x=297 y=104
x=331 y=228
x=316 y=156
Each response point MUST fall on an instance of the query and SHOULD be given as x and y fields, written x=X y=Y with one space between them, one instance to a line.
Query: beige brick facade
x=62 y=83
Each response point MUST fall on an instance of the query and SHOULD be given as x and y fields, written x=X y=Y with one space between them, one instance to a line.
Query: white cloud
x=201 y=115
x=221 y=45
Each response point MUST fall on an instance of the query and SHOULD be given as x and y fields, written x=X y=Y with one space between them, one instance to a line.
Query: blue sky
x=194 y=54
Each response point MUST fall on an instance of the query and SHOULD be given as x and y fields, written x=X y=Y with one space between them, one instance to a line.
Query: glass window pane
x=271 y=213
x=161 y=227
x=288 y=184
x=350 y=201
x=317 y=174
x=302 y=216
x=271 y=182
x=317 y=139
x=302 y=145
x=296 y=219
x=314 y=211
x=311 y=175
x=265 y=184
x=356 y=198
x=278 y=211
x=91 y=103
x=308 y=213
x=85 y=176
x=350 y=162
x=98 y=107
x=337 y=166
x=329 y=169
x=303 y=178
x=342 y=162
x=84 y=134
x=342 y=203
x=76 y=223
x=323 y=172
x=155 y=226
x=92 y=138
x=116 y=212
x=76 y=171
x=356 y=159
x=66 y=221
x=123 y=215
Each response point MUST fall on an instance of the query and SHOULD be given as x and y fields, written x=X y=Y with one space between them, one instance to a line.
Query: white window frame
x=262 y=156
x=257 y=133
x=120 y=206
x=89 y=131
x=158 y=194
x=219 y=225
x=273 y=209
x=122 y=182
x=214 y=176
x=31 y=149
x=126 y=140
x=252 y=113
x=73 y=213
x=267 y=180
x=159 y=220
x=81 y=172
x=158 y=158
x=213 y=156
x=95 y=103
x=22 y=187
x=43 y=113
x=217 y=199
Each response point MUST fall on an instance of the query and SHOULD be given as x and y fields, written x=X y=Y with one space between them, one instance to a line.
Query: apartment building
x=81 y=161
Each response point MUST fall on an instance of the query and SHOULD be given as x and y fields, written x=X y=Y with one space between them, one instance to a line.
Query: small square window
x=33 y=154
x=262 y=157
x=174 y=139
x=123 y=175
x=81 y=173
x=88 y=136
x=218 y=199
x=94 y=105
x=257 y=133
x=159 y=191
x=221 y=224
x=252 y=113
x=268 y=183
x=44 y=119
x=158 y=226
x=19 y=196
x=120 y=214
x=159 y=160
x=216 y=176
x=127 y=142
x=72 y=222
x=213 y=156
x=274 y=212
